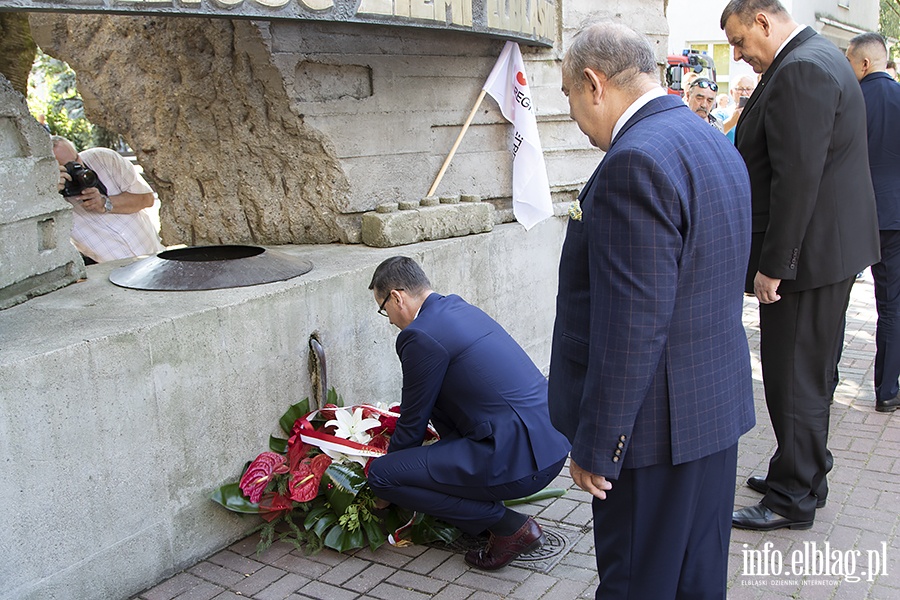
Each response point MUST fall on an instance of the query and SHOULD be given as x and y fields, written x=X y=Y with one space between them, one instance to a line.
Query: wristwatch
x=107 y=206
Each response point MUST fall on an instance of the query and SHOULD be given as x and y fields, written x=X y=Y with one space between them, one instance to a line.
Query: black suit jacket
x=882 y=96
x=803 y=138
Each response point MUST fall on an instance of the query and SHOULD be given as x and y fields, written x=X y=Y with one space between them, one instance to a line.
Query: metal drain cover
x=559 y=542
x=209 y=268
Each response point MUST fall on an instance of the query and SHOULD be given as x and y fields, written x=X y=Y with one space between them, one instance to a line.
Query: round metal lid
x=209 y=268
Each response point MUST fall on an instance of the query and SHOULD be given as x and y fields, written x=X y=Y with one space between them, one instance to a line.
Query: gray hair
x=56 y=140
x=746 y=10
x=610 y=48
x=871 y=46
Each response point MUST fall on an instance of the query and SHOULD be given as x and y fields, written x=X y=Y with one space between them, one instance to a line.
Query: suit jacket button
x=621 y=444
x=622 y=438
x=615 y=459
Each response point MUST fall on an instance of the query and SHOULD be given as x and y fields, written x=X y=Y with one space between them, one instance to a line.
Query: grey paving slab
x=860 y=523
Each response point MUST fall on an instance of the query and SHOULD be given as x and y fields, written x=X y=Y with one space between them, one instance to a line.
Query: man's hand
x=63 y=178
x=595 y=485
x=731 y=122
x=766 y=288
x=91 y=200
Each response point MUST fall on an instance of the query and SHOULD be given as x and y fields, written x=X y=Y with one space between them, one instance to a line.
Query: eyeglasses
x=744 y=89
x=381 y=310
x=704 y=83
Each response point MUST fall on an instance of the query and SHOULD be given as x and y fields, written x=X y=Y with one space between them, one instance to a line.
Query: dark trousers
x=663 y=531
x=402 y=478
x=800 y=336
x=887 y=302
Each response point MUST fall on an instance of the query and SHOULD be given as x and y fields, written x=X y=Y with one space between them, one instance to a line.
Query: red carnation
x=380 y=441
x=327 y=411
x=389 y=424
x=260 y=473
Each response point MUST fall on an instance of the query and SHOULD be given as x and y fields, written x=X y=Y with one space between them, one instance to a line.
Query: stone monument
x=36 y=256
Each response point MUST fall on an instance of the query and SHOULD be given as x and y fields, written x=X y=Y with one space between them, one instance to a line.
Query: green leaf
x=293 y=413
x=277 y=444
x=428 y=529
x=341 y=540
x=348 y=477
x=339 y=499
x=231 y=497
x=541 y=495
x=332 y=397
x=320 y=523
x=374 y=533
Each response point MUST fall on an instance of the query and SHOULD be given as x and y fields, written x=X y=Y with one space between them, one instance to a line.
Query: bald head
x=867 y=54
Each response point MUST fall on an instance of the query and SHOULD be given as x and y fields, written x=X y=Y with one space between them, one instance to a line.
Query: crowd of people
x=770 y=194
x=785 y=190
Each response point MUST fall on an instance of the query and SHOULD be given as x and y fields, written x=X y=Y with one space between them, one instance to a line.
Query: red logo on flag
x=520 y=77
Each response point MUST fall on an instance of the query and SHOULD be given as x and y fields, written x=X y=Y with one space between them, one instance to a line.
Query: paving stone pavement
x=856 y=533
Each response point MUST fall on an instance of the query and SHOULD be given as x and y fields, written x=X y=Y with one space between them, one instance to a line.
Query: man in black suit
x=868 y=58
x=803 y=137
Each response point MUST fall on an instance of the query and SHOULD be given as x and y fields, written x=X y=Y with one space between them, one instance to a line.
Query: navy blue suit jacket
x=882 y=95
x=481 y=391
x=650 y=363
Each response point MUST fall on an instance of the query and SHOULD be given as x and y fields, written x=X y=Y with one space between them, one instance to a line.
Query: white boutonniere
x=575 y=211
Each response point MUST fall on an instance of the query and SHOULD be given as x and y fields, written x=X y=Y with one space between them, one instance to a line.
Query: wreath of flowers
x=311 y=488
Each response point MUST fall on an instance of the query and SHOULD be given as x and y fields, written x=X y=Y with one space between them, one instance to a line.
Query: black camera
x=82 y=178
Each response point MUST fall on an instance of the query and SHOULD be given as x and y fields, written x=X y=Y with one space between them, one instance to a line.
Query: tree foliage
x=53 y=92
x=889 y=23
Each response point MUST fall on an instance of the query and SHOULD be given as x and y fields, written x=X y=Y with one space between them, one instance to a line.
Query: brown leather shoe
x=502 y=550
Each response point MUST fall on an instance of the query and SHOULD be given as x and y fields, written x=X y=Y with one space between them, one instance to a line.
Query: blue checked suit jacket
x=650 y=363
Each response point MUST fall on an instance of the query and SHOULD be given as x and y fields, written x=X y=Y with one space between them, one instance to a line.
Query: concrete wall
x=121 y=410
x=391 y=101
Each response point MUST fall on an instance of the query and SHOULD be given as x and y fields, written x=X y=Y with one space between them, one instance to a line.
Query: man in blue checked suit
x=650 y=370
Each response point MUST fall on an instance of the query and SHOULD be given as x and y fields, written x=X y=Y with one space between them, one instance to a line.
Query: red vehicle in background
x=689 y=61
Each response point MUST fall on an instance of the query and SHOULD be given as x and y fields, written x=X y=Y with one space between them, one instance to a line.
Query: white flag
x=509 y=87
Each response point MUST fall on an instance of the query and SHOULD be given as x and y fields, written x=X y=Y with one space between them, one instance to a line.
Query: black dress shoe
x=758 y=484
x=760 y=518
x=502 y=550
x=887 y=405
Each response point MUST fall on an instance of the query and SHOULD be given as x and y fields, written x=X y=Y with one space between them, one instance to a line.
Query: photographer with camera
x=741 y=92
x=109 y=199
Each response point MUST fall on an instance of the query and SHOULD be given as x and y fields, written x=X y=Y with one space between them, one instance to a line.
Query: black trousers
x=800 y=336
x=887 y=302
x=663 y=531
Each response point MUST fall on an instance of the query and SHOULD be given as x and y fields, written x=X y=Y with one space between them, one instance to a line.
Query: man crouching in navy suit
x=488 y=402
x=650 y=369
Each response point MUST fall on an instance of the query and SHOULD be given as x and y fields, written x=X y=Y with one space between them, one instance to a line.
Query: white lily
x=345 y=458
x=353 y=426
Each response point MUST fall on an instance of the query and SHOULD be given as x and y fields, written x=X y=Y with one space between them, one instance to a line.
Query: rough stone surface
x=429 y=222
x=210 y=122
x=35 y=254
